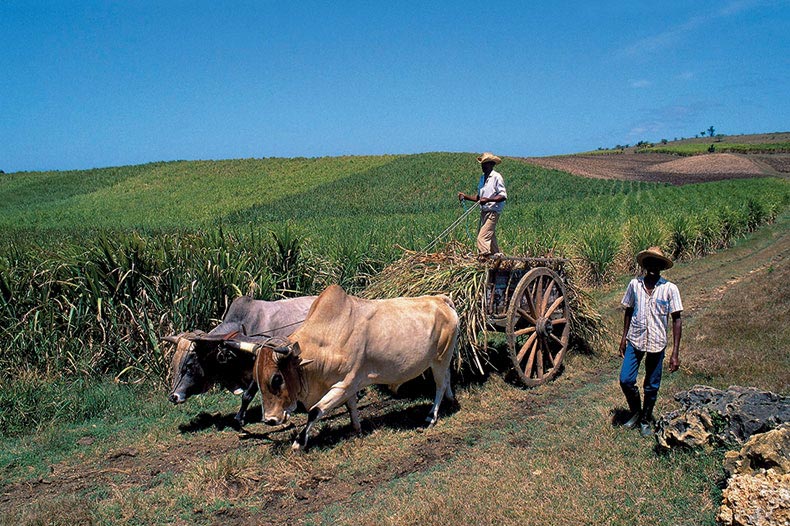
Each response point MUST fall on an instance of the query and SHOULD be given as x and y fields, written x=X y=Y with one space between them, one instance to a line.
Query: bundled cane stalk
x=461 y=277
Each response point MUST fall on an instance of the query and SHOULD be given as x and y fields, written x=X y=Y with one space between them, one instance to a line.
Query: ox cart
x=526 y=299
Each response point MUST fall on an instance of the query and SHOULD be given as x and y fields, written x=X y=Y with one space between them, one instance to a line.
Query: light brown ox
x=348 y=343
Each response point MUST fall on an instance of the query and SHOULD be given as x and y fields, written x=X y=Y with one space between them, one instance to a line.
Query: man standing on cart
x=649 y=302
x=491 y=195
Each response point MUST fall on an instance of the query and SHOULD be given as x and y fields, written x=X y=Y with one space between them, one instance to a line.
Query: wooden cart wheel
x=538 y=326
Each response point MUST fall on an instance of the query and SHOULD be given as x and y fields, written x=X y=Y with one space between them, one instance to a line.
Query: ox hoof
x=296 y=447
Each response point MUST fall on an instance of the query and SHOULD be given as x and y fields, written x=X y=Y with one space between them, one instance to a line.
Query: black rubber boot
x=646 y=422
x=634 y=405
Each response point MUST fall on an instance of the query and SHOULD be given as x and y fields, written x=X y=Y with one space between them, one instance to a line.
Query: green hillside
x=383 y=200
x=96 y=265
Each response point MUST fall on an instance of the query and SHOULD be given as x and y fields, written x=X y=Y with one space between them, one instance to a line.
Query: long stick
x=451 y=227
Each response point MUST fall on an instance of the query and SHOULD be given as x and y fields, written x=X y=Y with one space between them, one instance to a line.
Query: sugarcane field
x=368 y=264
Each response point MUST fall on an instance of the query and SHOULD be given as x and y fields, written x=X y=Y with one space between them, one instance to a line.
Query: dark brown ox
x=348 y=343
x=202 y=360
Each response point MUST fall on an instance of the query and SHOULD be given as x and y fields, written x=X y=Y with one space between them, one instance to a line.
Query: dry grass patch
x=746 y=340
x=562 y=463
x=70 y=510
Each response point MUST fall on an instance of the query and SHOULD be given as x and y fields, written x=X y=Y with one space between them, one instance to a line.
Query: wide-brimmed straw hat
x=655 y=253
x=489 y=157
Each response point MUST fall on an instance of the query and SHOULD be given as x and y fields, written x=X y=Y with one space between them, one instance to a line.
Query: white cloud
x=672 y=35
x=641 y=83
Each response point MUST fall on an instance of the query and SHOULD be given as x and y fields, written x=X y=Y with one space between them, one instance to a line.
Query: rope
x=452 y=227
x=276 y=329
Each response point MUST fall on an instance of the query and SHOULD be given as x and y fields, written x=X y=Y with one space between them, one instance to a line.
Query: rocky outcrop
x=758 y=423
x=763 y=452
x=758 y=490
x=756 y=500
x=721 y=417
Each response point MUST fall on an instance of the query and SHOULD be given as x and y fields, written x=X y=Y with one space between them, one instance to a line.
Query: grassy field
x=506 y=455
x=723 y=147
x=96 y=265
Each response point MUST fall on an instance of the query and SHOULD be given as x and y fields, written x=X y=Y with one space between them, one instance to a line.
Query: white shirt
x=492 y=186
x=648 y=330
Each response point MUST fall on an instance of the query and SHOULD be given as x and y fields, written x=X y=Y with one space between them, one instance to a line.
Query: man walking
x=491 y=195
x=649 y=301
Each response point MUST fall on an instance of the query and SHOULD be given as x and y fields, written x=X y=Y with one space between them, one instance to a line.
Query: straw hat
x=655 y=253
x=489 y=157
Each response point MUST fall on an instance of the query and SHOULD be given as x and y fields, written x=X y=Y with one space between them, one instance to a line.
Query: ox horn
x=172 y=338
x=284 y=350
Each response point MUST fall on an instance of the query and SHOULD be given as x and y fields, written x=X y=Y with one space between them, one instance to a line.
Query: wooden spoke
x=539 y=298
x=554 y=306
x=531 y=304
x=525 y=331
x=527 y=316
x=549 y=356
x=556 y=340
x=526 y=346
x=537 y=356
x=546 y=296
x=528 y=368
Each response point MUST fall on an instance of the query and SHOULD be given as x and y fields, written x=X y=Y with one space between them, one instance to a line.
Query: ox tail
x=450 y=345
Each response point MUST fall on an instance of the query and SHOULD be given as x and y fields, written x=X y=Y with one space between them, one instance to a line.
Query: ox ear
x=175 y=338
x=172 y=338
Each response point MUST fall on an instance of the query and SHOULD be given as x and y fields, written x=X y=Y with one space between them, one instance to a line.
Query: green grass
x=507 y=455
x=719 y=147
x=96 y=265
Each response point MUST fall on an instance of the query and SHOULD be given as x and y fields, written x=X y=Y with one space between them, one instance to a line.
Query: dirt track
x=666 y=168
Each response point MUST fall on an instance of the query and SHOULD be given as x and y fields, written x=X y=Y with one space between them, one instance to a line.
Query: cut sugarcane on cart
x=529 y=299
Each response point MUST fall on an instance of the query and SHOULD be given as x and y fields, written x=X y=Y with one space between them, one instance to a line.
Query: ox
x=348 y=343
x=202 y=360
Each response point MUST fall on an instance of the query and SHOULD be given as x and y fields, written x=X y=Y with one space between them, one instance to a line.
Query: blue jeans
x=654 y=364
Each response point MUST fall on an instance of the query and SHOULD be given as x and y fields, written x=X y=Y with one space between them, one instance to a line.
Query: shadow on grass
x=389 y=413
x=410 y=418
x=405 y=410
x=220 y=422
x=619 y=416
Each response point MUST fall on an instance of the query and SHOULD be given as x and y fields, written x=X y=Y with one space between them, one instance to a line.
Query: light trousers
x=486 y=236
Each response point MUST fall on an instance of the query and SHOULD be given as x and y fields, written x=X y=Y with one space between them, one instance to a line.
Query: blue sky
x=92 y=84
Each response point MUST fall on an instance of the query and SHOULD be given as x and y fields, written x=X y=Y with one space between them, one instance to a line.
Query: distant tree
x=702 y=133
x=711 y=130
x=712 y=149
x=664 y=141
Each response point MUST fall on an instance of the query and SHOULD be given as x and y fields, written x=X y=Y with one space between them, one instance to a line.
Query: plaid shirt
x=648 y=330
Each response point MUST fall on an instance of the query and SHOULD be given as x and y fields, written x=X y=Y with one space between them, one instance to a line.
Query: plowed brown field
x=666 y=168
